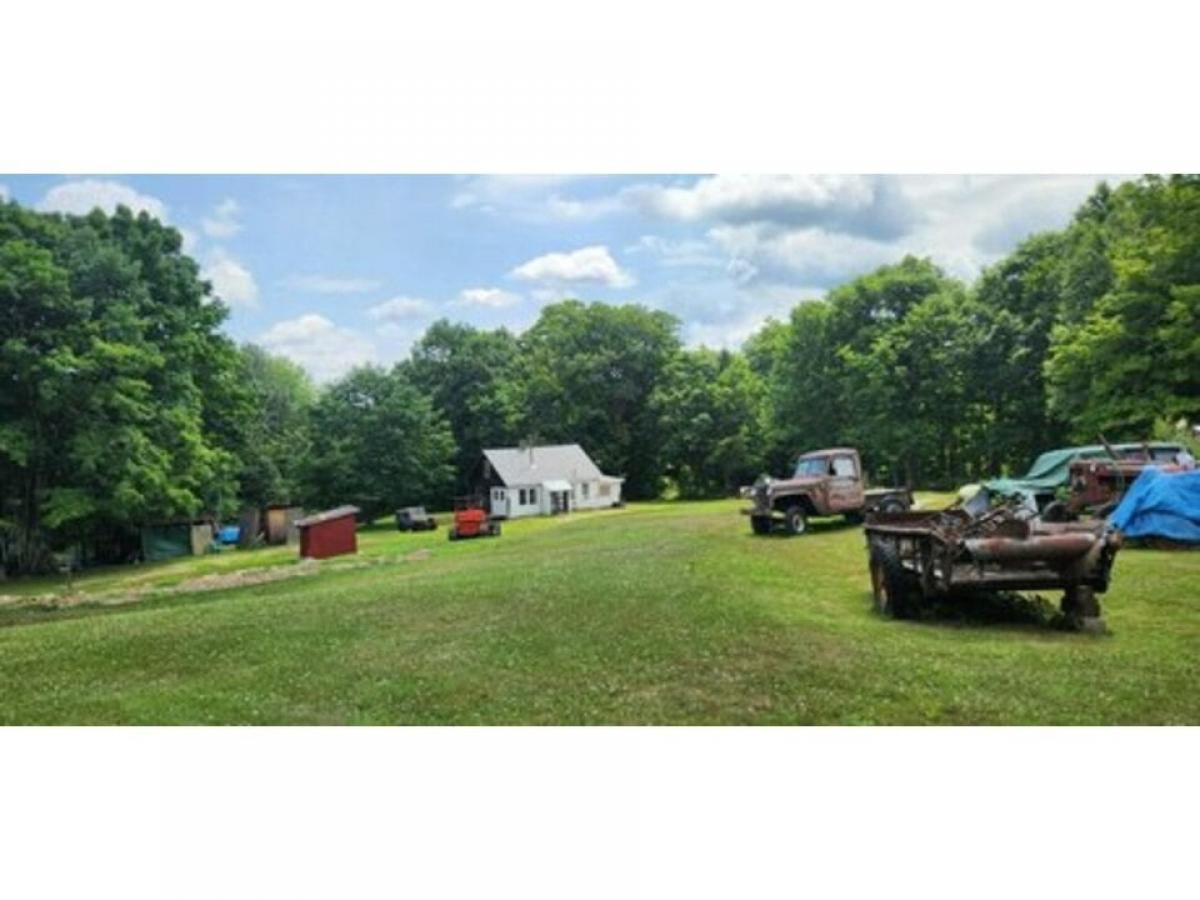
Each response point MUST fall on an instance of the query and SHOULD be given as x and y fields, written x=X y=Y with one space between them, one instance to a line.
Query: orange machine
x=471 y=520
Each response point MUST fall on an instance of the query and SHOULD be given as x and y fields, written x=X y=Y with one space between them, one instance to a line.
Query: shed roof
x=327 y=516
x=534 y=465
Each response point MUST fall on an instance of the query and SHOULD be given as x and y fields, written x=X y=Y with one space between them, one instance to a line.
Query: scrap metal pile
x=924 y=555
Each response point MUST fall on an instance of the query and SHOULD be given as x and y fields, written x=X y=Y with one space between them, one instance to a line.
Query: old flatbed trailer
x=924 y=555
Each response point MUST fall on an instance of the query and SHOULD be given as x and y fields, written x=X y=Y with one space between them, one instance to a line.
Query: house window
x=604 y=490
x=586 y=488
x=522 y=496
x=533 y=495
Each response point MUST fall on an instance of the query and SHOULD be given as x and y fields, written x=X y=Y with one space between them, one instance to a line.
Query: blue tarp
x=1161 y=504
x=229 y=534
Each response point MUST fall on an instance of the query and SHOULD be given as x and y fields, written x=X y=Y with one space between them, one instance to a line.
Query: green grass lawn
x=658 y=613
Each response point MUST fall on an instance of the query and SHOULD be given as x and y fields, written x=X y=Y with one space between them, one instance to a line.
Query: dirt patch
x=217 y=581
x=245 y=577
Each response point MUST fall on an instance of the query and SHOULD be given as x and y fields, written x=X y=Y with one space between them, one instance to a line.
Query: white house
x=539 y=481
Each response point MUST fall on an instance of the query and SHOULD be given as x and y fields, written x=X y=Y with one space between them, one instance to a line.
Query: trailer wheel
x=760 y=524
x=795 y=520
x=452 y=534
x=895 y=590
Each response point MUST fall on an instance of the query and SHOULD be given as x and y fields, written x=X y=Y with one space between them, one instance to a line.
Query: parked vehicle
x=1097 y=485
x=825 y=483
x=915 y=557
x=471 y=520
x=1053 y=473
x=414 y=518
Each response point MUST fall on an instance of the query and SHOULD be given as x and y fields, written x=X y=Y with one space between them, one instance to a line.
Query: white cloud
x=859 y=204
x=532 y=198
x=325 y=284
x=490 y=191
x=231 y=281
x=191 y=240
x=400 y=309
x=965 y=223
x=559 y=207
x=490 y=298
x=808 y=255
x=325 y=350
x=81 y=197
x=687 y=252
x=588 y=265
x=223 y=223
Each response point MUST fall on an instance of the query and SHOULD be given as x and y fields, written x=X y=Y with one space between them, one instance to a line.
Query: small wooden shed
x=329 y=533
x=280 y=523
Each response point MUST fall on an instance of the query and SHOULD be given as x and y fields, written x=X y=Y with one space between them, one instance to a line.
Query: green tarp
x=1052 y=469
x=1049 y=472
x=170 y=541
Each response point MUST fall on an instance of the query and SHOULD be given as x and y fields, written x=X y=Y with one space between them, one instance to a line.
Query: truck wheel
x=452 y=534
x=795 y=520
x=494 y=529
x=896 y=591
x=891 y=506
x=760 y=524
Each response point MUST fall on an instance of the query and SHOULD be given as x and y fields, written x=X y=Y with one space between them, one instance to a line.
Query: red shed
x=329 y=533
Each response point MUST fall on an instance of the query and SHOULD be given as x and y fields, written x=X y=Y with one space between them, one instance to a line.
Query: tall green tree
x=1134 y=356
x=469 y=375
x=378 y=442
x=586 y=374
x=273 y=434
x=119 y=384
x=712 y=414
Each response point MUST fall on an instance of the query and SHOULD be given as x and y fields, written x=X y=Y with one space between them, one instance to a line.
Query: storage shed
x=280 y=523
x=173 y=539
x=329 y=533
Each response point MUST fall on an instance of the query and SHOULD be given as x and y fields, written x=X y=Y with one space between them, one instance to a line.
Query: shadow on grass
x=815 y=527
x=998 y=608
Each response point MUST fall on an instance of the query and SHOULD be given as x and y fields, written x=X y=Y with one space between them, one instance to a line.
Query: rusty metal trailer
x=924 y=555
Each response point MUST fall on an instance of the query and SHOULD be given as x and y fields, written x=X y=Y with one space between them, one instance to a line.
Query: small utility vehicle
x=471 y=520
x=414 y=518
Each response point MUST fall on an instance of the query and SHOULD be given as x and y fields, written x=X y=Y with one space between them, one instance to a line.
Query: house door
x=498 y=503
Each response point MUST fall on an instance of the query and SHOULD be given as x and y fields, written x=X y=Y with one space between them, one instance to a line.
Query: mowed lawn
x=657 y=613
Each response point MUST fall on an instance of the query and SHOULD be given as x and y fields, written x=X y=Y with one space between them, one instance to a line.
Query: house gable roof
x=560 y=462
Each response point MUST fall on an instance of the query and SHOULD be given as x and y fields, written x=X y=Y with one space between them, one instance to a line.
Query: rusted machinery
x=925 y=555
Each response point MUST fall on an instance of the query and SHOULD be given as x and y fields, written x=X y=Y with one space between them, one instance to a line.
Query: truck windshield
x=815 y=465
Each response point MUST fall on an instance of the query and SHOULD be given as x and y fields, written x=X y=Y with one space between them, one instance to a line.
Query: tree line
x=122 y=402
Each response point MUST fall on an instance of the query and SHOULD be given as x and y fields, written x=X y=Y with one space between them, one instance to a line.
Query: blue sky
x=334 y=271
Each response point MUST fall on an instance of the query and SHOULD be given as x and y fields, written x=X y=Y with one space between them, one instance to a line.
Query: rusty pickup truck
x=825 y=483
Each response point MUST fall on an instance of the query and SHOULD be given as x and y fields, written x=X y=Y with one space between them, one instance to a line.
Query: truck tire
x=760 y=524
x=892 y=505
x=795 y=520
x=896 y=591
x=452 y=534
